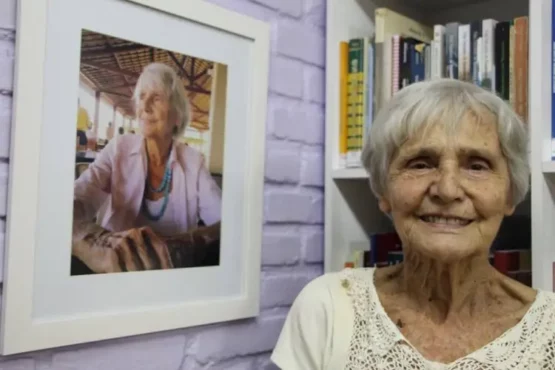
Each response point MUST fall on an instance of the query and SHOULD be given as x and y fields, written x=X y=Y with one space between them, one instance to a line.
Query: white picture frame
x=37 y=312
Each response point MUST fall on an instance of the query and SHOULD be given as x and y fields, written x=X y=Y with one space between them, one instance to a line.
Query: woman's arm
x=91 y=190
x=305 y=341
x=209 y=197
x=192 y=248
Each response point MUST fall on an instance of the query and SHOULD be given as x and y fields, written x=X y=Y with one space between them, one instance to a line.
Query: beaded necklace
x=163 y=188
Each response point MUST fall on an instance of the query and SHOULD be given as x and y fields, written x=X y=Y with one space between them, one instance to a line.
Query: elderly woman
x=447 y=162
x=153 y=190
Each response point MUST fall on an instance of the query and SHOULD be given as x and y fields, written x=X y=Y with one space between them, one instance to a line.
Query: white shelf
x=443 y=11
x=548 y=167
x=539 y=107
x=351 y=212
x=350 y=173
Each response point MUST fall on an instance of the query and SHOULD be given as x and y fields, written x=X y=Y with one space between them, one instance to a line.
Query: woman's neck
x=449 y=289
x=158 y=150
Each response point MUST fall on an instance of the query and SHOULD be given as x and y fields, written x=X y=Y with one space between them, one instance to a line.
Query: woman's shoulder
x=128 y=139
x=546 y=302
x=334 y=285
x=318 y=327
x=328 y=297
x=186 y=152
x=320 y=289
x=124 y=144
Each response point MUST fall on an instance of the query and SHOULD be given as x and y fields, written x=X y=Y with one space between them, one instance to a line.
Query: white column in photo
x=215 y=135
x=110 y=131
x=96 y=113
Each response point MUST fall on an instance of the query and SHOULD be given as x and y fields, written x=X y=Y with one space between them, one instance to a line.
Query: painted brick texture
x=292 y=247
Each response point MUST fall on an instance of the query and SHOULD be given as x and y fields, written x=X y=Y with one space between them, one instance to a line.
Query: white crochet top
x=337 y=322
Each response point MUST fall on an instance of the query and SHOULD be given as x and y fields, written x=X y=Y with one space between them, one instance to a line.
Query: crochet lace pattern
x=378 y=344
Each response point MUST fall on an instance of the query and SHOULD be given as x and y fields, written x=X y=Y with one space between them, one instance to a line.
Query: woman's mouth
x=446 y=220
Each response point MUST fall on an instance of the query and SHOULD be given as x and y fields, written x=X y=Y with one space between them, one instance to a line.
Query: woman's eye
x=479 y=165
x=419 y=165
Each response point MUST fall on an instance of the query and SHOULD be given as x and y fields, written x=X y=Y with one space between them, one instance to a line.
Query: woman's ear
x=509 y=207
x=509 y=210
x=384 y=205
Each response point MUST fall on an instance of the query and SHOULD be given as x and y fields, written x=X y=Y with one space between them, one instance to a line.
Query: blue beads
x=166 y=180
x=165 y=188
x=158 y=216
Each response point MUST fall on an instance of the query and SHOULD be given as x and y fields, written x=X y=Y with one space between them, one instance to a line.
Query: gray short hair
x=164 y=77
x=422 y=104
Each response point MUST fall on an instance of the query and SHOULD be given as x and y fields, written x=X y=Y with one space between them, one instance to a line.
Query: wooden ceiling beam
x=197 y=89
x=111 y=50
x=197 y=109
x=119 y=71
x=178 y=64
x=115 y=93
x=199 y=125
x=125 y=85
x=204 y=72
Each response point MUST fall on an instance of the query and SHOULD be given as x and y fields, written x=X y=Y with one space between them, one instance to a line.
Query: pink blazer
x=118 y=176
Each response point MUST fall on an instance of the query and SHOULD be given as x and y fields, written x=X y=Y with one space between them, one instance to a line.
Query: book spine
x=488 y=29
x=370 y=61
x=387 y=74
x=379 y=35
x=412 y=63
x=438 y=52
x=405 y=63
x=464 y=52
x=451 y=50
x=475 y=34
x=355 y=46
x=378 y=76
x=396 y=64
x=360 y=104
x=343 y=101
x=502 y=49
x=418 y=65
x=427 y=62
x=521 y=66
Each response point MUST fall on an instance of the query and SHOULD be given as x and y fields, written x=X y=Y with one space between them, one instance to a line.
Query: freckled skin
x=446 y=297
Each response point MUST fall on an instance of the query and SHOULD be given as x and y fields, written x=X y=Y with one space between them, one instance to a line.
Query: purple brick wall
x=292 y=250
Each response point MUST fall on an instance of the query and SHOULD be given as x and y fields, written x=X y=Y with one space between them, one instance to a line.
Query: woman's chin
x=148 y=133
x=445 y=252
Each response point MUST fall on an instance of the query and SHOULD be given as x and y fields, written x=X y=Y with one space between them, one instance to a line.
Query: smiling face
x=447 y=194
x=154 y=113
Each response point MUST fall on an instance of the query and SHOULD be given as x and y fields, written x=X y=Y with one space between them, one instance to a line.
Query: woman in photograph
x=140 y=204
x=447 y=161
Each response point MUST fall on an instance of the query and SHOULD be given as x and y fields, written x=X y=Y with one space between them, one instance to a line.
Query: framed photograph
x=136 y=172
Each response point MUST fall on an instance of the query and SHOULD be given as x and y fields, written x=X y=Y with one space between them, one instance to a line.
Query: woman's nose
x=447 y=187
x=147 y=104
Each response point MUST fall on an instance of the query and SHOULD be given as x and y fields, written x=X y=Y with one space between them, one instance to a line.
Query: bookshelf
x=351 y=212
